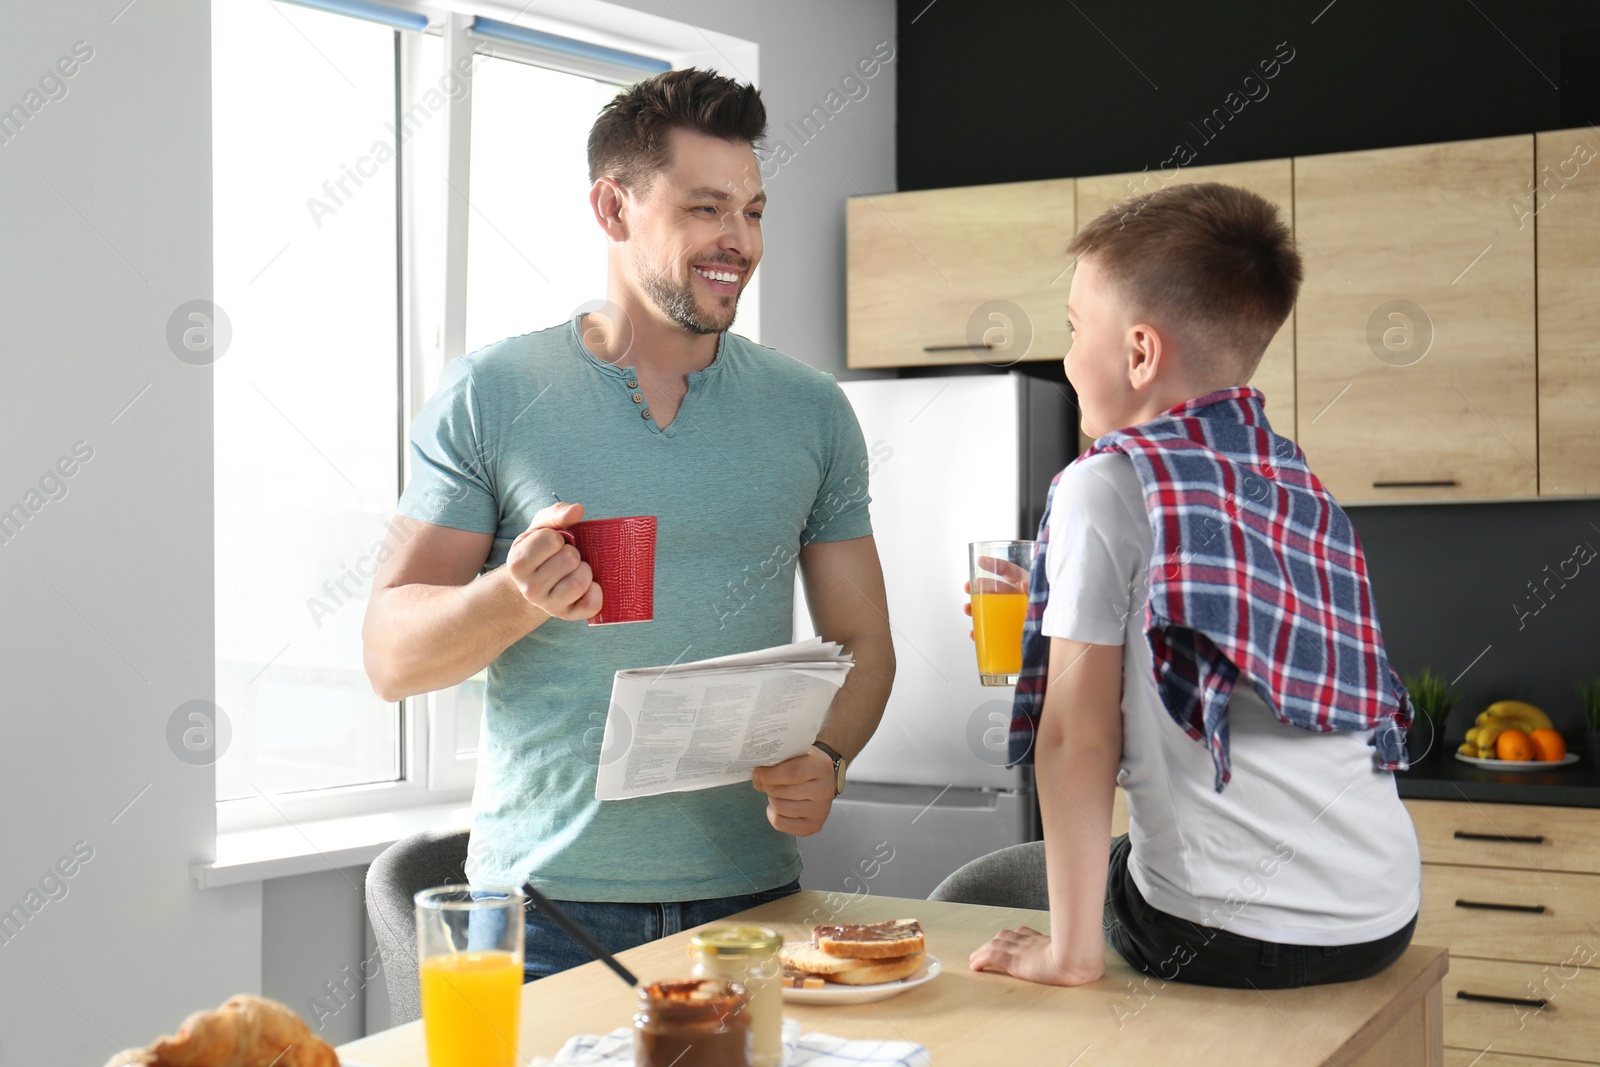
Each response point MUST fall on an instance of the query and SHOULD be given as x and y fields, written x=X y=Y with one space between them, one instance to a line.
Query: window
x=307 y=395
x=348 y=283
x=534 y=253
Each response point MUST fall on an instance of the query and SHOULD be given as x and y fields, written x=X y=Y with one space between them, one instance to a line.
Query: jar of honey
x=696 y=1023
x=748 y=955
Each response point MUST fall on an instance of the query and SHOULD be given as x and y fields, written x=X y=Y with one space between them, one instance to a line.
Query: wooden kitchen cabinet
x=1415 y=333
x=1564 y=208
x=934 y=276
x=1273 y=180
x=1513 y=891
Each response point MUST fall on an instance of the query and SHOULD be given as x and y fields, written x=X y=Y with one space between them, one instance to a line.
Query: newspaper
x=712 y=722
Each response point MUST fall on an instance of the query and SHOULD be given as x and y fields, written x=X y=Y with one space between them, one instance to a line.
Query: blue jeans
x=618 y=926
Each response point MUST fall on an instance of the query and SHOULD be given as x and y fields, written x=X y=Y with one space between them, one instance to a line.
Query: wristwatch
x=839 y=765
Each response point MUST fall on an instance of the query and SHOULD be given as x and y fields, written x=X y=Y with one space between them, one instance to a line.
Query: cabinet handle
x=1537 y=909
x=1441 y=483
x=1521 y=1002
x=956 y=348
x=1516 y=839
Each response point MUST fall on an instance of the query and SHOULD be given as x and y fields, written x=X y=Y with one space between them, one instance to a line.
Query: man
x=752 y=463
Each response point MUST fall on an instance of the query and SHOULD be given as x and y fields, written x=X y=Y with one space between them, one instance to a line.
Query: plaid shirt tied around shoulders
x=1255 y=568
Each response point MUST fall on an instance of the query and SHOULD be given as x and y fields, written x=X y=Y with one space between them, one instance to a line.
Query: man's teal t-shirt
x=764 y=456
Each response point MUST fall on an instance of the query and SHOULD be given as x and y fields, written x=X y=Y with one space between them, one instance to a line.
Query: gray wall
x=106 y=591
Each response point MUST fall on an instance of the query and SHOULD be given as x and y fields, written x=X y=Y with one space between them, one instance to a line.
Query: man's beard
x=677 y=301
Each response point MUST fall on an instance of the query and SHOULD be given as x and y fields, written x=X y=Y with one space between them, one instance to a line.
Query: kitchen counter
x=1448 y=778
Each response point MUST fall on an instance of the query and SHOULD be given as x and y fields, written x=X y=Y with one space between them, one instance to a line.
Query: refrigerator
x=952 y=459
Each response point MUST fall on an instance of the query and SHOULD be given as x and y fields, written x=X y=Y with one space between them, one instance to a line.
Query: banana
x=1519 y=714
x=1472 y=736
x=1517 y=709
x=1488 y=734
x=1468 y=749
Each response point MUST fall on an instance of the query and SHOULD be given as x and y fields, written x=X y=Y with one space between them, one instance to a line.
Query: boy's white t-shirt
x=1308 y=844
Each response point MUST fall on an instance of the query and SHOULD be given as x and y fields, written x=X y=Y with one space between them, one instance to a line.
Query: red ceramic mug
x=621 y=554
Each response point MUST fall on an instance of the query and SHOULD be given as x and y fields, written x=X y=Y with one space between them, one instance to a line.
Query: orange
x=1547 y=745
x=1513 y=745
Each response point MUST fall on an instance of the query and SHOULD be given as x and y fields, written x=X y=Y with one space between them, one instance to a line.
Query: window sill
x=328 y=844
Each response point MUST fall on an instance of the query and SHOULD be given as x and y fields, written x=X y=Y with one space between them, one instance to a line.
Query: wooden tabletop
x=965 y=1017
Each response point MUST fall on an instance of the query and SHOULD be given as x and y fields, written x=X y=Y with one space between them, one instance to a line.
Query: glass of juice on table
x=999 y=589
x=469 y=944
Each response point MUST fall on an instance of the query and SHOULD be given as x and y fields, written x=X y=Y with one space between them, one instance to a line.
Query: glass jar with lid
x=707 y=1017
x=748 y=955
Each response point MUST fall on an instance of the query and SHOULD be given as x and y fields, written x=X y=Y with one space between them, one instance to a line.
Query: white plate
x=838 y=993
x=1519 y=764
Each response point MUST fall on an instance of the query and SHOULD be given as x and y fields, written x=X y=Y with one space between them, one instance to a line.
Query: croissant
x=246 y=1031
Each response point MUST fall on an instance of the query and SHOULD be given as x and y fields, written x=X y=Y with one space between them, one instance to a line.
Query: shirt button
x=633 y=385
x=638 y=398
x=645 y=413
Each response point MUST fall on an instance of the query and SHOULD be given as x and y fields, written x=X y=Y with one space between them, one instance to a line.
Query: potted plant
x=1432 y=698
x=1589 y=693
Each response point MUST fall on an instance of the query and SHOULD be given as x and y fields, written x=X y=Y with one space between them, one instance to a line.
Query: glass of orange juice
x=999 y=590
x=469 y=948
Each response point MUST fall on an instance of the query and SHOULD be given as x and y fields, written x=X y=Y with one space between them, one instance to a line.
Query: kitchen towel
x=1255 y=570
x=810 y=1050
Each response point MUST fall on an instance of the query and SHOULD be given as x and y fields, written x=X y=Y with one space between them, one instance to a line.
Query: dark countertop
x=1447 y=778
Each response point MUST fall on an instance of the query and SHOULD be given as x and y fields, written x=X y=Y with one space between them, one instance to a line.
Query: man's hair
x=1214 y=264
x=629 y=140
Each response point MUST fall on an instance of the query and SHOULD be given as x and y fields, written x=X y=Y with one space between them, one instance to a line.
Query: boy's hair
x=1214 y=263
x=628 y=142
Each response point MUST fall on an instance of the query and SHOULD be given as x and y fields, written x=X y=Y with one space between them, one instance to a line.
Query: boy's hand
x=1026 y=953
x=1003 y=577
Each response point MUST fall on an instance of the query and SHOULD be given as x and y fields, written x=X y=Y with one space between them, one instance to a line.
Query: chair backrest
x=403 y=869
x=1010 y=878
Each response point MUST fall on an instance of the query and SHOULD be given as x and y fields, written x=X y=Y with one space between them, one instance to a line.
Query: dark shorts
x=548 y=949
x=1176 y=950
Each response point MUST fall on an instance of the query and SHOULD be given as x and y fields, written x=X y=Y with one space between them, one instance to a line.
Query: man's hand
x=799 y=792
x=1026 y=953
x=549 y=572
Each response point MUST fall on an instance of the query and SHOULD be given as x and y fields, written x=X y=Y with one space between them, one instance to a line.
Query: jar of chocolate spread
x=694 y=1023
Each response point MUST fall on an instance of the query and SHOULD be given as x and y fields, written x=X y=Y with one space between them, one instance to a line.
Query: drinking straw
x=579 y=934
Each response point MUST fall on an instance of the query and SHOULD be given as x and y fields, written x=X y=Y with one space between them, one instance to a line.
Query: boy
x=1201 y=631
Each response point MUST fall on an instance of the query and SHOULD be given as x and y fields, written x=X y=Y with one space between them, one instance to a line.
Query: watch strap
x=838 y=764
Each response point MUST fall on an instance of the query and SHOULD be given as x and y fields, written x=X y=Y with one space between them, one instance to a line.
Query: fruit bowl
x=1514 y=732
x=1519 y=764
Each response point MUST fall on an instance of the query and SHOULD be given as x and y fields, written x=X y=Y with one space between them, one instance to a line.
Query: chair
x=409 y=865
x=1010 y=878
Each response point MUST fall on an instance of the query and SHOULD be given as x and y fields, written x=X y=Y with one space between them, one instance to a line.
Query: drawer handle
x=1537 y=909
x=956 y=348
x=1521 y=1002
x=1440 y=483
x=1517 y=839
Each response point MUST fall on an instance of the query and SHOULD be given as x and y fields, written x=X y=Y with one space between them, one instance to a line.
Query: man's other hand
x=799 y=792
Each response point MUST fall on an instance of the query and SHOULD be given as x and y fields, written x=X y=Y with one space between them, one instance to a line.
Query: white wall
x=105 y=592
